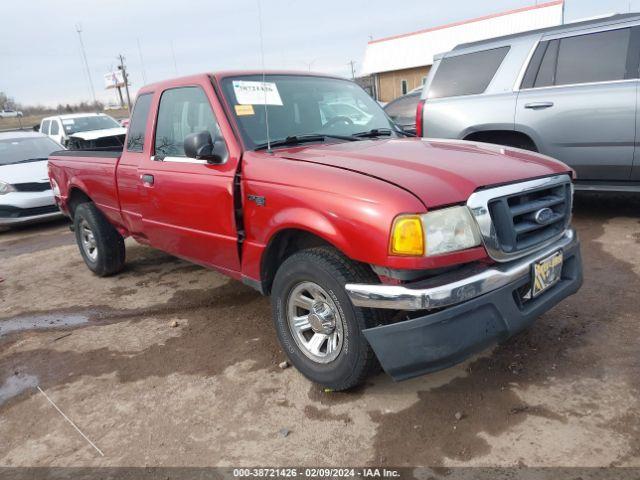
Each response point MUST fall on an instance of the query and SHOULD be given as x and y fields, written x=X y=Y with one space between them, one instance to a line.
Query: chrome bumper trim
x=399 y=297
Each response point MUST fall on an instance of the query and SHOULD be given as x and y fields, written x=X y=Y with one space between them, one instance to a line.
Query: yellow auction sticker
x=244 y=110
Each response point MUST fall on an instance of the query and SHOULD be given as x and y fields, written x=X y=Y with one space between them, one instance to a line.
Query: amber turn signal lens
x=406 y=236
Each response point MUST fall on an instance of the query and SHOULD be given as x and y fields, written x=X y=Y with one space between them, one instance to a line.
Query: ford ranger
x=376 y=248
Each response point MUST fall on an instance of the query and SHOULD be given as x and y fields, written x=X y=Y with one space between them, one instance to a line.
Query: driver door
x=187 y=204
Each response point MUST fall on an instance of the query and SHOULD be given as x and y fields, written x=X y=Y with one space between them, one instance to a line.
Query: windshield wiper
x=374 y=132
x=307 y=137
x=382 y=132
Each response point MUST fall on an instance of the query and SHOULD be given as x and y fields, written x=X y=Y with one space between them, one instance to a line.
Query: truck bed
x=93 y=170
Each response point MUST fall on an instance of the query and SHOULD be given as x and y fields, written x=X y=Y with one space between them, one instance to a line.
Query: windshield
x=86 y=124
x=21 y=150
x=300 y=105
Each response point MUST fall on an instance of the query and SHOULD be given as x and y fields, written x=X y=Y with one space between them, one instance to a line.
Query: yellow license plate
x=546 y=273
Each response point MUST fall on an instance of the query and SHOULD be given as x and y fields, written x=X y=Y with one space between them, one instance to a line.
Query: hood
x=25 y=172
x=438 y=172
x=95 y=134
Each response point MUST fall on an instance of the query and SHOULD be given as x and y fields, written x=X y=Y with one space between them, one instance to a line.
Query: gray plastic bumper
x=438 y=340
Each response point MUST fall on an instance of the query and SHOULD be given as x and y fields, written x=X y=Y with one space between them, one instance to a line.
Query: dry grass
x=24 y=122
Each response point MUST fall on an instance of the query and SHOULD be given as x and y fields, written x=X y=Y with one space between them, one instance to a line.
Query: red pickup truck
x=376 y=248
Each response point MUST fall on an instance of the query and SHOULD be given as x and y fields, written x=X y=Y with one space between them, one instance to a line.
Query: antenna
x=86 y=63
x=173 y=54
x=264 y=73
x=144 y=75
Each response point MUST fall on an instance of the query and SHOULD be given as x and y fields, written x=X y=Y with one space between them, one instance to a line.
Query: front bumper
x=19 y=208
x=454 y=288
x=484 y=309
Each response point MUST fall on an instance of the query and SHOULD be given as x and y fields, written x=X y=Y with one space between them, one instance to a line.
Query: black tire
x=330 y=270
x=110 y=250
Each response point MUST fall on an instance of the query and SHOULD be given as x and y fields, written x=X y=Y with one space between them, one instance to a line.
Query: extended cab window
x=55 y=129
x=467 y=74
x=45 y=127
x=138 y=125
x=182 y=111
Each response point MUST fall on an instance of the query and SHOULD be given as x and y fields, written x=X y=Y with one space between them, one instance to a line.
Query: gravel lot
x=171 y=364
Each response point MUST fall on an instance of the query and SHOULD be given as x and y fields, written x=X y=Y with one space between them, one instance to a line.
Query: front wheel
x=317 y=325
x=100 y=244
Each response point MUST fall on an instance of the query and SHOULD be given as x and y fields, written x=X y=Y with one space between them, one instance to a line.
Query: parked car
x=373 y=247
x=84 y=130
x=567 y=91
x=10 y=114
x=25 y=191
x=402 y=110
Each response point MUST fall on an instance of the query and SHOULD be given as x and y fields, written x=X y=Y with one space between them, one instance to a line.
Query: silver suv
x=569 y=92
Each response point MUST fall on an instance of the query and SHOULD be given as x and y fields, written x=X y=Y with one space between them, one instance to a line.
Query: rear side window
x=467 y=74
x=138 y=124
x=547 y=73
x=45 y=127
x=55 y=129
x=597 y=57
x=565 y=62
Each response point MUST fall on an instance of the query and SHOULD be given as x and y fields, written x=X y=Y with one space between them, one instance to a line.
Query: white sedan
x=25 y=191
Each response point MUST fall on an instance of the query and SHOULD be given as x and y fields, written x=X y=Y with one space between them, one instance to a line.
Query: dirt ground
x=207 y=390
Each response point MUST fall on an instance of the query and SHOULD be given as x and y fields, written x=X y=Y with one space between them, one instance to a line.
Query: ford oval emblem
x=543 y=216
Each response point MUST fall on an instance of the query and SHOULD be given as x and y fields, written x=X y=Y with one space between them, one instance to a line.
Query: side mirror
x=36 y=128
x=200 y=146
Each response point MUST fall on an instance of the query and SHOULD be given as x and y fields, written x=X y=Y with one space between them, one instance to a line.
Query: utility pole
x=352 y=65
x=86 y=63
x=309 y=64
x=125 y=77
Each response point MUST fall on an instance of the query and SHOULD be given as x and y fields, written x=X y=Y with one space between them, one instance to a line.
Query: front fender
x=311 y=221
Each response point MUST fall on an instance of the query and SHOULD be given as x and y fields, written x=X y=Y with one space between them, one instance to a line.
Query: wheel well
x=76 y=197
x=509 y=138
x=284 y=244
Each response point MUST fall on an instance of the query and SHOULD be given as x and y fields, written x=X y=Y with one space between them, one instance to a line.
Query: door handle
x=147 y=180
x=538 y=105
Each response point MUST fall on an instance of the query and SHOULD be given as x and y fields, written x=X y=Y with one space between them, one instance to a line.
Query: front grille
x=15 y=212
x=514 y=216
x=32 y=186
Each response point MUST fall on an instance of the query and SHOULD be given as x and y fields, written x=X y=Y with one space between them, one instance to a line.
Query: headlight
x=6 y=188
x=449 y=230
x=434 y=233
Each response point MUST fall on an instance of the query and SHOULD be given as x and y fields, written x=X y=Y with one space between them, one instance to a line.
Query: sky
x=41 y=62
